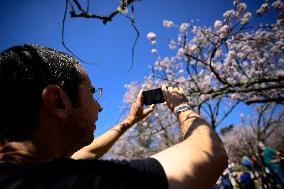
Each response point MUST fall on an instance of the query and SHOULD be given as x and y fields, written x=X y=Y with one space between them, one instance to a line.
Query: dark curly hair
x=24 y=72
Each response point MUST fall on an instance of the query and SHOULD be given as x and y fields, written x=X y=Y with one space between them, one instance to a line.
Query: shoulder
x=269 y=150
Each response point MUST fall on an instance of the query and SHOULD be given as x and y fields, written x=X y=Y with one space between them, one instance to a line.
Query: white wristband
x=182 y=109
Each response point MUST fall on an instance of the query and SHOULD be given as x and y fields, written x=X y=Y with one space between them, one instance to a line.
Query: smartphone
x=154 y=96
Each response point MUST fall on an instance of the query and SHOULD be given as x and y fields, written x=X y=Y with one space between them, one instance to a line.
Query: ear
x=55 y=101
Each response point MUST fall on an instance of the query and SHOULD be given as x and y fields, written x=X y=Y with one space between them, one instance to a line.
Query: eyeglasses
x=97 y=93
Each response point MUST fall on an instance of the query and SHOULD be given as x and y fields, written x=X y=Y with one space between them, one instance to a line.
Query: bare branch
x=105 y=18
x=279 y=99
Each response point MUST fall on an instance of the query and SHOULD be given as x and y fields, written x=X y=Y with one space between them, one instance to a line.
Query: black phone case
x=154 y=96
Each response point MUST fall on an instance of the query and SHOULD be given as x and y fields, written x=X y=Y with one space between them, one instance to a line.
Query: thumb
x=149 y=110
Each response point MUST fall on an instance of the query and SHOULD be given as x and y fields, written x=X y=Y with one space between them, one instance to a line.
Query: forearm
x=275 y=161
x=102 y=143
x=189 y=120
x=199 y=159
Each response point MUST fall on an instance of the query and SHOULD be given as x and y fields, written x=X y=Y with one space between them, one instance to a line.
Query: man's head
x=260 y=146
x=29 y=76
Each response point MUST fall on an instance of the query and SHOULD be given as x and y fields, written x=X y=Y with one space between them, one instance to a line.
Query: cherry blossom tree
x=265 y=125
x=233 y=61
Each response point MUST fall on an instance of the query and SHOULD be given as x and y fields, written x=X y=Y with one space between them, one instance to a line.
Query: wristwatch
x=182 y=108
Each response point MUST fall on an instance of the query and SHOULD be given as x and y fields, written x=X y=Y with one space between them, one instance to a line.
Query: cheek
x=84 y=127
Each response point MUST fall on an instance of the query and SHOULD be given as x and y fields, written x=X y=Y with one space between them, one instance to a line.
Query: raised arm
x=200 y=158
x=104 y=142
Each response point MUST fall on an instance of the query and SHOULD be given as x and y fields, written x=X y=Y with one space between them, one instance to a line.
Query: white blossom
x=229 y=14
x=181 y=52
x=154 y=42
x=278 y=4
x=154 y=51
x=218 y=53
x=248 y=15
x=151 y=36
x=263 y=9
x=173 y=44
x=218 y=24
x=235 y=2
x=235 y=96
x=145 y=124
x=184 y=26
x=123 y=9
x=225 y=29
x=242 y=7
x=168 y=23
x=190 y=48
x=180 y=39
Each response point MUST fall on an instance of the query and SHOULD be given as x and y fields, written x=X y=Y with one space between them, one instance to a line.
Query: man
x=272 y=159
x=49 y=114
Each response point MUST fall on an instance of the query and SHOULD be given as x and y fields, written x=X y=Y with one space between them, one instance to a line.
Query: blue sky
x=40 y=22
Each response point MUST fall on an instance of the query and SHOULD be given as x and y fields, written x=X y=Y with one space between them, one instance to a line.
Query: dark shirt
x=100 y=174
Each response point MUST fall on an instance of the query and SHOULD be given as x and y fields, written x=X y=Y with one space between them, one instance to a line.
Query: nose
x=99 y=106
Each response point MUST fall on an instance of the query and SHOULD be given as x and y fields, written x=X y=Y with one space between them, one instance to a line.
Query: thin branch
x=88 y=5
x=136 y=39
x=205 y=110
x=227 y=113
x=268 y=123
x=233 y=89
x=278 y=99
x=190 y=75
x=106 y=18
x=216 y=108
x=62 y=37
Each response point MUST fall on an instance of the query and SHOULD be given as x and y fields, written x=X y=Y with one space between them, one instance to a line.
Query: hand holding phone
x=154 y=96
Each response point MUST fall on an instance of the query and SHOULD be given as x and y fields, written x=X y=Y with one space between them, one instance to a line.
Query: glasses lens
x=98 y=93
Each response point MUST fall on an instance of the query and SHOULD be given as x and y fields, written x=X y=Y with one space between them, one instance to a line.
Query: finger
x=181 y=90
x=165 y=91
x=139 y=100
x=164 y=88
x=170 y=89
x=149 y=110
